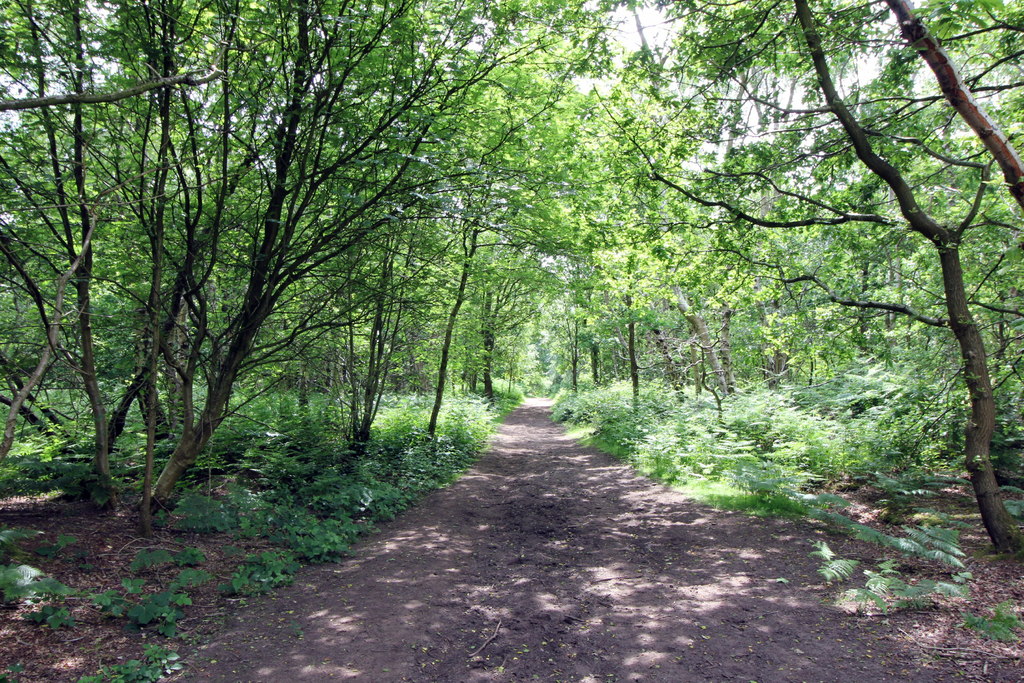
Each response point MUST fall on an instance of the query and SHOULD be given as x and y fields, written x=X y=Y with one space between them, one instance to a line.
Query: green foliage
x=204 y=514
x=156 y=663
x=52 y=550
x=111 y=603
x=260 y=573
x=929 y=542
x=1002 y=625
x=833 y=568
x=161 y=610
x=887 y=589
x=9 y=539
x=22 y=582
x=1015 y=506
x=189 y=557
x=146 y=559
x=15 y=668
x=190 y=578
x=69 y=474
x=53 y=616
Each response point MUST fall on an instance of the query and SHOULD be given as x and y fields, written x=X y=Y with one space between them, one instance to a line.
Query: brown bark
x=960 y=97
x=634 y=366
x=487 y=338
x=675 y=373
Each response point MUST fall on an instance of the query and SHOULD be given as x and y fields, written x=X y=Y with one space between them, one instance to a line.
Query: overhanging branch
x=875 y=305
x=190 y=79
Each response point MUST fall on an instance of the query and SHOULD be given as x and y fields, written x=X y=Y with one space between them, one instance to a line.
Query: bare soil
x=551 y=561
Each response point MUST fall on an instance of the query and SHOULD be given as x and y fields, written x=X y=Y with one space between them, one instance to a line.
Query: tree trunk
x=699 y=327
x=1000 y=525
x=442 y=369
x=1002 y=528
x=672 y=368
x=634 y=366
x=487 y=335
x=725 y=351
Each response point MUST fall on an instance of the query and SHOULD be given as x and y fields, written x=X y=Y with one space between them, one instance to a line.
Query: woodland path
x=552 y=561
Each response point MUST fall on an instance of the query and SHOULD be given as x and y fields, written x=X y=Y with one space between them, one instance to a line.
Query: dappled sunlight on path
x=551 y=561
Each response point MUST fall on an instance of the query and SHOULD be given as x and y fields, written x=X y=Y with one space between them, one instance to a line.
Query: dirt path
x=550 y=561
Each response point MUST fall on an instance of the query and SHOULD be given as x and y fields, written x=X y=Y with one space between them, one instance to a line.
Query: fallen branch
x=487 y=642
x=614 y=578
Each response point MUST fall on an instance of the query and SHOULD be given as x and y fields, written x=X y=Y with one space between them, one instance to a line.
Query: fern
x=1001 y=626
x=929 y=542
x=886 y=588
x=834 y=569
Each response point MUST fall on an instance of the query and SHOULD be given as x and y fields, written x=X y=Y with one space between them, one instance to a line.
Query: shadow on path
x=551 y=561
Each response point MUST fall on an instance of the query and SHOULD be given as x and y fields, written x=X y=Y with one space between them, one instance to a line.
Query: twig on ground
x=487 y=642
x=613 y=578
x=953 y=651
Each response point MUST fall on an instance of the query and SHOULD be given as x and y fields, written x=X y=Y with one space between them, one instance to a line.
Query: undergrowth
x=285 y=478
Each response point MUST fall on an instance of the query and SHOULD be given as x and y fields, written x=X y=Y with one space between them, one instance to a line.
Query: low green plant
x=160 y=610
x=190 y=578
x=204 y=514
x=111 y=603
x=925 y=541
x=133 y=586
x=15 y=668
x=22 y=582
x=833 y=568
x=156 y=663
x=1013 y=505
x=260 y=573
x=52 y=615
x=146 y=559
x=189 y=557
x=1002 y=625
x=885 y=588
x=9 y=539
x=51 y=550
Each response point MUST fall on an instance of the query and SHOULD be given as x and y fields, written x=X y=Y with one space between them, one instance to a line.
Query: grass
x=718 y=494
x=724 y=496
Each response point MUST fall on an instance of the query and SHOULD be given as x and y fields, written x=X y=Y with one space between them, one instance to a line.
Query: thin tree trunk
x=634 y=366
x=449 y=329
x=487 y=338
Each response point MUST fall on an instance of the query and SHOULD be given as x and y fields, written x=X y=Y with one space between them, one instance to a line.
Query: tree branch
x=875 y=305
x=960 y=97
x=99 y=98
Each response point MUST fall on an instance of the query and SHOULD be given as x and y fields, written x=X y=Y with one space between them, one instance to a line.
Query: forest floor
x=546 y=561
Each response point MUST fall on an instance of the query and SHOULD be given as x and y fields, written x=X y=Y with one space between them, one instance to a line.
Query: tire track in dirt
x=551 y=561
